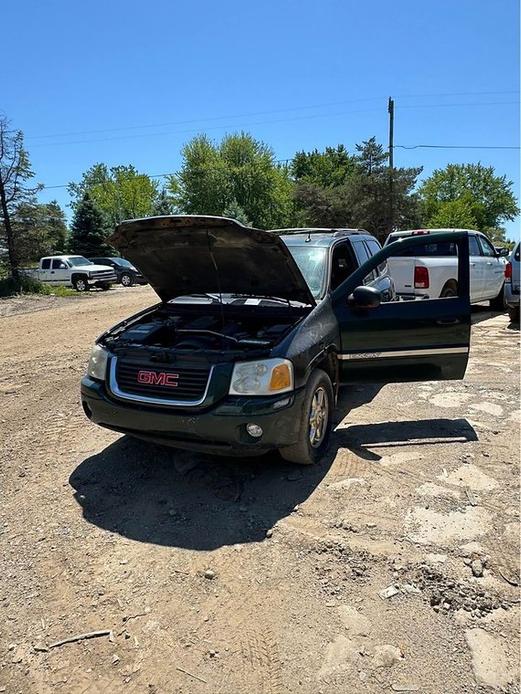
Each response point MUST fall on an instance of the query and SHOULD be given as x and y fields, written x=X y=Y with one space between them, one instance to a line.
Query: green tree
x=89 y=230
x=121 y=192
x=235 y=211
x=326 y=169
x=454 y=214
x=163 y=204
x=39 y=229
x=488 y=197
x=15 y=174
x=238 y=170
x=363 y=200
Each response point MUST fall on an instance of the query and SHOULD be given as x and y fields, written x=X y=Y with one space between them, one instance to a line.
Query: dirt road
x=391 y=567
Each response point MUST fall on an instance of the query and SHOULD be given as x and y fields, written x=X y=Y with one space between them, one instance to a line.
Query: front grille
x=100 y=274
x=168 y=383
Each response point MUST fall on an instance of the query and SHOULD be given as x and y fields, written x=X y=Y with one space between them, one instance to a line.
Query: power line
x=285 y=161
x=262 y=122
x=457 y=146
x=261 y=113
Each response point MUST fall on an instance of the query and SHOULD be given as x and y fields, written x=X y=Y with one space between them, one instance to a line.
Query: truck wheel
x=80 y=284
x=126 y=280
x=513 y=314
x=449 y=290
x=315 y=423
x=498 y=303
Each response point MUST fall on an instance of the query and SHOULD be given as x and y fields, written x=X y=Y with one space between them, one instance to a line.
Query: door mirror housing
x=365 y=297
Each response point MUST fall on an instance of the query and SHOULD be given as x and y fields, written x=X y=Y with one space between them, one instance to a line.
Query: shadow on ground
x=175 y=498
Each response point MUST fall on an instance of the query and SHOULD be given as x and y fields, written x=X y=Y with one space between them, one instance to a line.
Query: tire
x=449 y=290
x=318 y=401
x=105 y=286
x=498 y=303
x=80 y=284
x=126 y=279
x=513 y=314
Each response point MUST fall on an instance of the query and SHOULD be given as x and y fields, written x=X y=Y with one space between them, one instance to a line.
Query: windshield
x=311 y=262
x=123 y=262
x=78 y=260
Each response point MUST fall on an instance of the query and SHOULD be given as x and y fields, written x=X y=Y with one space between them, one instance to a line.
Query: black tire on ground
x=450 y=289
x=105 y=286
x=315 y=423
x=80 y=284
x=513 y=314
x=126 y=279
x=498 y=303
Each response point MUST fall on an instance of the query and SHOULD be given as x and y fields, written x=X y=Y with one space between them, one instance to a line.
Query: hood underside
x=183 y=254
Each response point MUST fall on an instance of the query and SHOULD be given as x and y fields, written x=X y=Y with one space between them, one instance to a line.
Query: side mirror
x=365 y=297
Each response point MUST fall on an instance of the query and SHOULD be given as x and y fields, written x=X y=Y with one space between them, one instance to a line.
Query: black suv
x=126 y=273
x=256 y=331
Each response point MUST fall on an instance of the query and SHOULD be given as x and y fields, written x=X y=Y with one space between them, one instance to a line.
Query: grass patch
x=29 y=285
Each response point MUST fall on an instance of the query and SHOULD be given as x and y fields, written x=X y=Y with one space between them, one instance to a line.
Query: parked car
x=429 y=270
x=74 y=271
x=126 y=273
x=260 y=367
x=512 y=284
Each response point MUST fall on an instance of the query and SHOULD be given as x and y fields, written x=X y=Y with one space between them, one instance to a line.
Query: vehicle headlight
x=97 y=367
x=266 y=377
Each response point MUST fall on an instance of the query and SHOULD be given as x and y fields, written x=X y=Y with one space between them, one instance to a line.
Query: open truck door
x=418 y=340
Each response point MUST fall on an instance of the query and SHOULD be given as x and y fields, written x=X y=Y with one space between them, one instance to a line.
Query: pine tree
x=89 y=230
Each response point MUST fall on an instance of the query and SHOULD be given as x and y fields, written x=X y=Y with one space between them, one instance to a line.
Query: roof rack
x=316 y=230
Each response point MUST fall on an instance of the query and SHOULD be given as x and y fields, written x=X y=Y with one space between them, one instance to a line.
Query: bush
x=30 y=285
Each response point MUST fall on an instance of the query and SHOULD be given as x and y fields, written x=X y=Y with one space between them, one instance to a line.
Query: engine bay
x=208 y=329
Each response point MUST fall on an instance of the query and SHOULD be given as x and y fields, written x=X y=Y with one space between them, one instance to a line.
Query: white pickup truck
x=430 y=271
x=74 y=271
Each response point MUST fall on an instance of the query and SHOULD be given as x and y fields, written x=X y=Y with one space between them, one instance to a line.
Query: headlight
x=98 y=363
x=266 y=377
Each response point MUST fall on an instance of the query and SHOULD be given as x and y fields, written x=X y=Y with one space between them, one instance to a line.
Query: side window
x=373 y=246
x=342 y=264
x=487 y=247
x=46 y=264
x=473 y=246
x=362 y=255
x=58 y=264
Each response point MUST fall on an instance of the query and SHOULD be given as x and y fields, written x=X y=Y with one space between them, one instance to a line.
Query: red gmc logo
x=157 y=378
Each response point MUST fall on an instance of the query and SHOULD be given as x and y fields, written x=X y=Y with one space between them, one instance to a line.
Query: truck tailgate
x=402 y=272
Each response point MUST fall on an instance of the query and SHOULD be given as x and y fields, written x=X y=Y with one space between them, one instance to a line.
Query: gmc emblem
x=157 y=378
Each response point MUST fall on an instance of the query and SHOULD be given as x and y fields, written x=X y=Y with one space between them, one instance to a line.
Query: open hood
x=186 y=254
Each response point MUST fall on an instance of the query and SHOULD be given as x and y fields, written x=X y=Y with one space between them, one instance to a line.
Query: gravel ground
x=392 y=566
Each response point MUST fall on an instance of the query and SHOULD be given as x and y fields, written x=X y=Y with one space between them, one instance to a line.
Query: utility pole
x=390 y=111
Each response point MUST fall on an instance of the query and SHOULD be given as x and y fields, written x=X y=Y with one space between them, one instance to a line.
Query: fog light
x=254 y=430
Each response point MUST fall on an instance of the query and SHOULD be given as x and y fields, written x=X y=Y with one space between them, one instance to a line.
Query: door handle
x=448 y=321
x=473 y=265
x=52 y=272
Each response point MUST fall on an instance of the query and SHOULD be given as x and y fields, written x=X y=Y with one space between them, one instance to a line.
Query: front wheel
x=315 y=423
x=126 y=279
x=513 y=314
x=80 y=284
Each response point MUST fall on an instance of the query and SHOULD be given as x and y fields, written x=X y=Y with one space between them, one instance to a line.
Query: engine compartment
x=203 y=329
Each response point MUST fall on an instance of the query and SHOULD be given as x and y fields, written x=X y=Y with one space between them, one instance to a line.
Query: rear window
x=430 y=250
x=46 y=264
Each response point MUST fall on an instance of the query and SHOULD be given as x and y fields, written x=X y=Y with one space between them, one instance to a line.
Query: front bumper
x=96 y=281
x=219 y=430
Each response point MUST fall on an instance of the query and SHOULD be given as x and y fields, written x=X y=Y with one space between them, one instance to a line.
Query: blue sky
x=130 y=82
